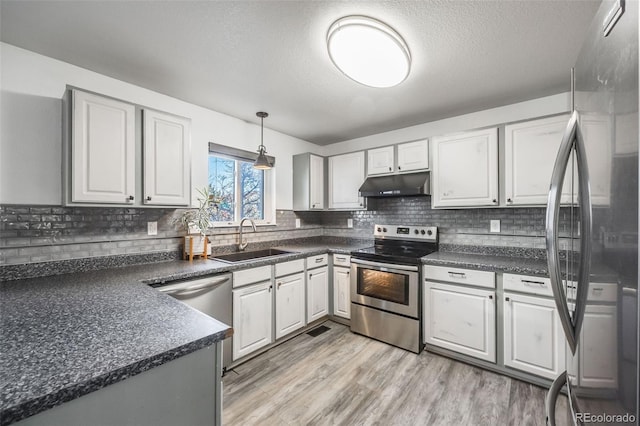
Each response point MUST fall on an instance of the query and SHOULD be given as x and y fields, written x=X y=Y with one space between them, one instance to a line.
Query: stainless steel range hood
x=397 y=185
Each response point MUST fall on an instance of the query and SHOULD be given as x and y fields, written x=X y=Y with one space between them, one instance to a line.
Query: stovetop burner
x=400 y=244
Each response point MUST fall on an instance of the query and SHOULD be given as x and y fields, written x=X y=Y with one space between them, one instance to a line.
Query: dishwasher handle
x=206 y=285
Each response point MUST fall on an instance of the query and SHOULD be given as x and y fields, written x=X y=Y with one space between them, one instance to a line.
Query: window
x=240 y=190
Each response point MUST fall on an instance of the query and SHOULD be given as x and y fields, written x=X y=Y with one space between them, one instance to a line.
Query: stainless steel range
x=385 y=284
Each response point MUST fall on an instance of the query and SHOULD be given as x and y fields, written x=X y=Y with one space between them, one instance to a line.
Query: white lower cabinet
x=461 y=319
x=252 y=318
x=598 y=357
x=341 y=295
x=533 y=336
x=290 y=304
x=317 y=293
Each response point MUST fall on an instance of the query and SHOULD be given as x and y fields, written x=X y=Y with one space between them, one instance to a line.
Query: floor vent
x=318 y=331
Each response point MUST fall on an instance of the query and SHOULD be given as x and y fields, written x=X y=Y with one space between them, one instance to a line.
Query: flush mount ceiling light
x=262 y=163
x=368 y=51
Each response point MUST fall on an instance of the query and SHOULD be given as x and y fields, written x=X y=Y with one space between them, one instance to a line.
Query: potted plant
x=197 y=222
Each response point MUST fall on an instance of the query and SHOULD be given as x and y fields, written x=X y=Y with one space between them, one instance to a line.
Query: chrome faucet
x=243 y=244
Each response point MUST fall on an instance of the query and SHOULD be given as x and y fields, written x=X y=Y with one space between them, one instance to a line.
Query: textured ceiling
x=239 y=57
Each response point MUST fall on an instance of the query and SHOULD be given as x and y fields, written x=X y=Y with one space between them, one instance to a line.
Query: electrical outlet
x=349 y=223
x=494 y=226
x=297 y=223
x=152 y=228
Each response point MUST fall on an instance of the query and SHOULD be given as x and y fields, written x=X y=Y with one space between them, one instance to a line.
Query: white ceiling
x=239 y=57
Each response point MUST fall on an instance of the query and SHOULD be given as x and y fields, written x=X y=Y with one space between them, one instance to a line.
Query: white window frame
x=269 y=194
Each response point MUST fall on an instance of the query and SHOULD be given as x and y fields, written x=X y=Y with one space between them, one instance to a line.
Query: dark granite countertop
x=509 y=264
x=64 y=336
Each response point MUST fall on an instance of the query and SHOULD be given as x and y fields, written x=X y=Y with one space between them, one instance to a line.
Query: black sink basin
x=243 y=256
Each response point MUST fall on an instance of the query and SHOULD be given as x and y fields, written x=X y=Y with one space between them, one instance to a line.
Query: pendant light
x=262 y=163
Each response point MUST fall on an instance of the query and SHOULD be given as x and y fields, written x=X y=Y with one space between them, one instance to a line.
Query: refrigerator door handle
x=585 y=207
x=552 y=396
x=571 y=139
x=551 y=226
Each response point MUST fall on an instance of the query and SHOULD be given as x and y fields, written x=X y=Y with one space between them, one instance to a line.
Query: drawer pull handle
x=529 y=283
x=598 y=289
x=457 y=274
x=319 y=260
x=341 y=259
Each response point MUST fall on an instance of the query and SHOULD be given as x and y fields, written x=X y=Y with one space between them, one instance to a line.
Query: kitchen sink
x=243 y=256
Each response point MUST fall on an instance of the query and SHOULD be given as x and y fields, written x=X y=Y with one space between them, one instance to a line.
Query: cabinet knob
x=279 y=284
x=310 y=275
x=389 y=168
x=491 y=296
x=130 y=198
x=398 y=167
x=148 y=198
x=506 y=299
x=509 y=200
x=270 y=287
x=495 y=201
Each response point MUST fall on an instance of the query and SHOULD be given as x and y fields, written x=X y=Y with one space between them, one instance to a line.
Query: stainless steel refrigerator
x=593 y=251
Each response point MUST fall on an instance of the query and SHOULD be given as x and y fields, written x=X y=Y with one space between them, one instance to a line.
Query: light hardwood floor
x=342 y=378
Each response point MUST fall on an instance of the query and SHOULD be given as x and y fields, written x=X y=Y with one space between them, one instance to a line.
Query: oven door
x=393 y=288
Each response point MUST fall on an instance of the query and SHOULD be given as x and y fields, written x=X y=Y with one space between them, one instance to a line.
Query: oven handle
x=385 y=266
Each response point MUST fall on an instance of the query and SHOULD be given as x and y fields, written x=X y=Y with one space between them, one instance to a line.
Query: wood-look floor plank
x=341 y=378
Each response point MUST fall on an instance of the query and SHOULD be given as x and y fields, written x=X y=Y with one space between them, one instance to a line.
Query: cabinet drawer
x=527 y=284
x=288 y=268
x=249 y=276
x=460 y=276
x=602 y=292
x=317 y=261
x=342 y=260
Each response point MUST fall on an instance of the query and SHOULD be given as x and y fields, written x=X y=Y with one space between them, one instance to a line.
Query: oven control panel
x=426 y=233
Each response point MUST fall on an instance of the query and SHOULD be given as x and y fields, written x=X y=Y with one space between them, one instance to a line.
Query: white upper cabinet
x=404 y=157
x=413 y=156
x=531 y=148
x=465 y=169
x=102 y=150
x=167 y=159
x=380 y=161
x=308 y=182
x=346 y=174
x=316 y=184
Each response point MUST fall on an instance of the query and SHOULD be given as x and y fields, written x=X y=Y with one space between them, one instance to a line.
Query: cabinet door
x=380 y=160
x=533 y=336
x=413 y=156
x=596 y=130
x=341 y=294
x=252 y=309
x=102 y=150
x=346 y=174
x=316 y=178
x=465 y=169
x=598 y=356
x=290 y=304
x=460 y=319
x=530 y=154
x=167 y=159
x=317 y=293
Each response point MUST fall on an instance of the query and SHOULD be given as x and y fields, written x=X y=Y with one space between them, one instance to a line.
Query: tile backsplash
x=36 y=233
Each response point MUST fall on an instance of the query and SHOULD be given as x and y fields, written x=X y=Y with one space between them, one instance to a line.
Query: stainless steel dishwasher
x=210 y=295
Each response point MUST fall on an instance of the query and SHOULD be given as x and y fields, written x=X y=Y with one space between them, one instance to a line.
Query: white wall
x=548 y=105
x=31 y=127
